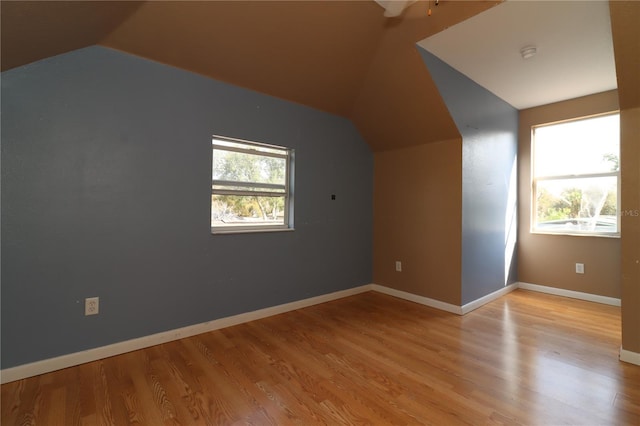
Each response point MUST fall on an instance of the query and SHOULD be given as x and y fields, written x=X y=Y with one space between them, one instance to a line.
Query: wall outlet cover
x=91 y=306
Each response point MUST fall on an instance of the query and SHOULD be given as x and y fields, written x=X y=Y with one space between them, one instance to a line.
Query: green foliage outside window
x=249 y=186
x=570 y=205
x=239 y=167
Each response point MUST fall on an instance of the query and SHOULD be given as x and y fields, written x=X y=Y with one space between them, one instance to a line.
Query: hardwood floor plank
x=524 y=359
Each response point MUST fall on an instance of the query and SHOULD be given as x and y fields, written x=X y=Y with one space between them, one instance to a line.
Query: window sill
x=217 y=231
x=575 y=234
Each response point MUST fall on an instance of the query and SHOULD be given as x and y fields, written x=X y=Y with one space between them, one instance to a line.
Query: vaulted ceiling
x=35 y=30
x=343 y=57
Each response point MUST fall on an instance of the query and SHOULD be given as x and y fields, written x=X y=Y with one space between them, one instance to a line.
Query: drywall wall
x=626 y=43
x=550 y=260
x=489 y=128
x=417 y=216
x=106 y=171
x=630 y=244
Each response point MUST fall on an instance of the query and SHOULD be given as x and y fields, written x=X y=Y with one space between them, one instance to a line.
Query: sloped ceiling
x=342 y=57
x=35 y=30
x=313 y=53
x=399 y=104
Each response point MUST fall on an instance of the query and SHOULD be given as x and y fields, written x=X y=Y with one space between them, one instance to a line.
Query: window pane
x=578 y=147
x=577 y=205
x=257 y=148
x=235 y=210
x=250 y=188
x=241 y=167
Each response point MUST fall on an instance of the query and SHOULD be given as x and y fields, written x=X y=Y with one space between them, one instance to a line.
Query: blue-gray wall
x=106 y=171
x=489 y=129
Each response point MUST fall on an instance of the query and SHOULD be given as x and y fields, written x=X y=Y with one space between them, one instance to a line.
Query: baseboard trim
x=52 y=364
x=630 y=357
x=570 y=293
x=443 y=306
x=488 y=298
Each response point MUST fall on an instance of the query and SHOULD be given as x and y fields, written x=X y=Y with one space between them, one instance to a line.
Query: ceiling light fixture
x=528 y=52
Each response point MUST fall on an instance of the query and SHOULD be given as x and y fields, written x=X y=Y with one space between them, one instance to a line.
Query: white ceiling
x=574 y=50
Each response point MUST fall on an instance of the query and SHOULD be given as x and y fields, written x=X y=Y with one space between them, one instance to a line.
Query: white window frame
x=535 y=179
x=223 y=187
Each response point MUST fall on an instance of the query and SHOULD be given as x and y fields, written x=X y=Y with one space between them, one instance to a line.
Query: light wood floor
x=527 y=358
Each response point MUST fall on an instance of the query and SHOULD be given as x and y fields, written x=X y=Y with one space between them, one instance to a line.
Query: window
x=576 y=176
x=251 y=186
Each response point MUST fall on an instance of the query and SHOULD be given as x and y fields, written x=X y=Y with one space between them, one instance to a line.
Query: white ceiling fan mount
x=394 y=8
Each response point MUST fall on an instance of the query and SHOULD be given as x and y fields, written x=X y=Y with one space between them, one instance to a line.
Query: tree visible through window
x=576 y=175
x=250 y=187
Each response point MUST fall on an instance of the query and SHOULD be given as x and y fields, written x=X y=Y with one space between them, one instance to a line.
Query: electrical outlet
x=91 y=306
x=579 y=268
x=398 y=266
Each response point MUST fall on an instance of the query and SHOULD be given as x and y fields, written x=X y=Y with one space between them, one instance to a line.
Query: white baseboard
x=630 y=357
x=443 y=306
x=570 y=293
x=488 y=298
x=77 y=358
